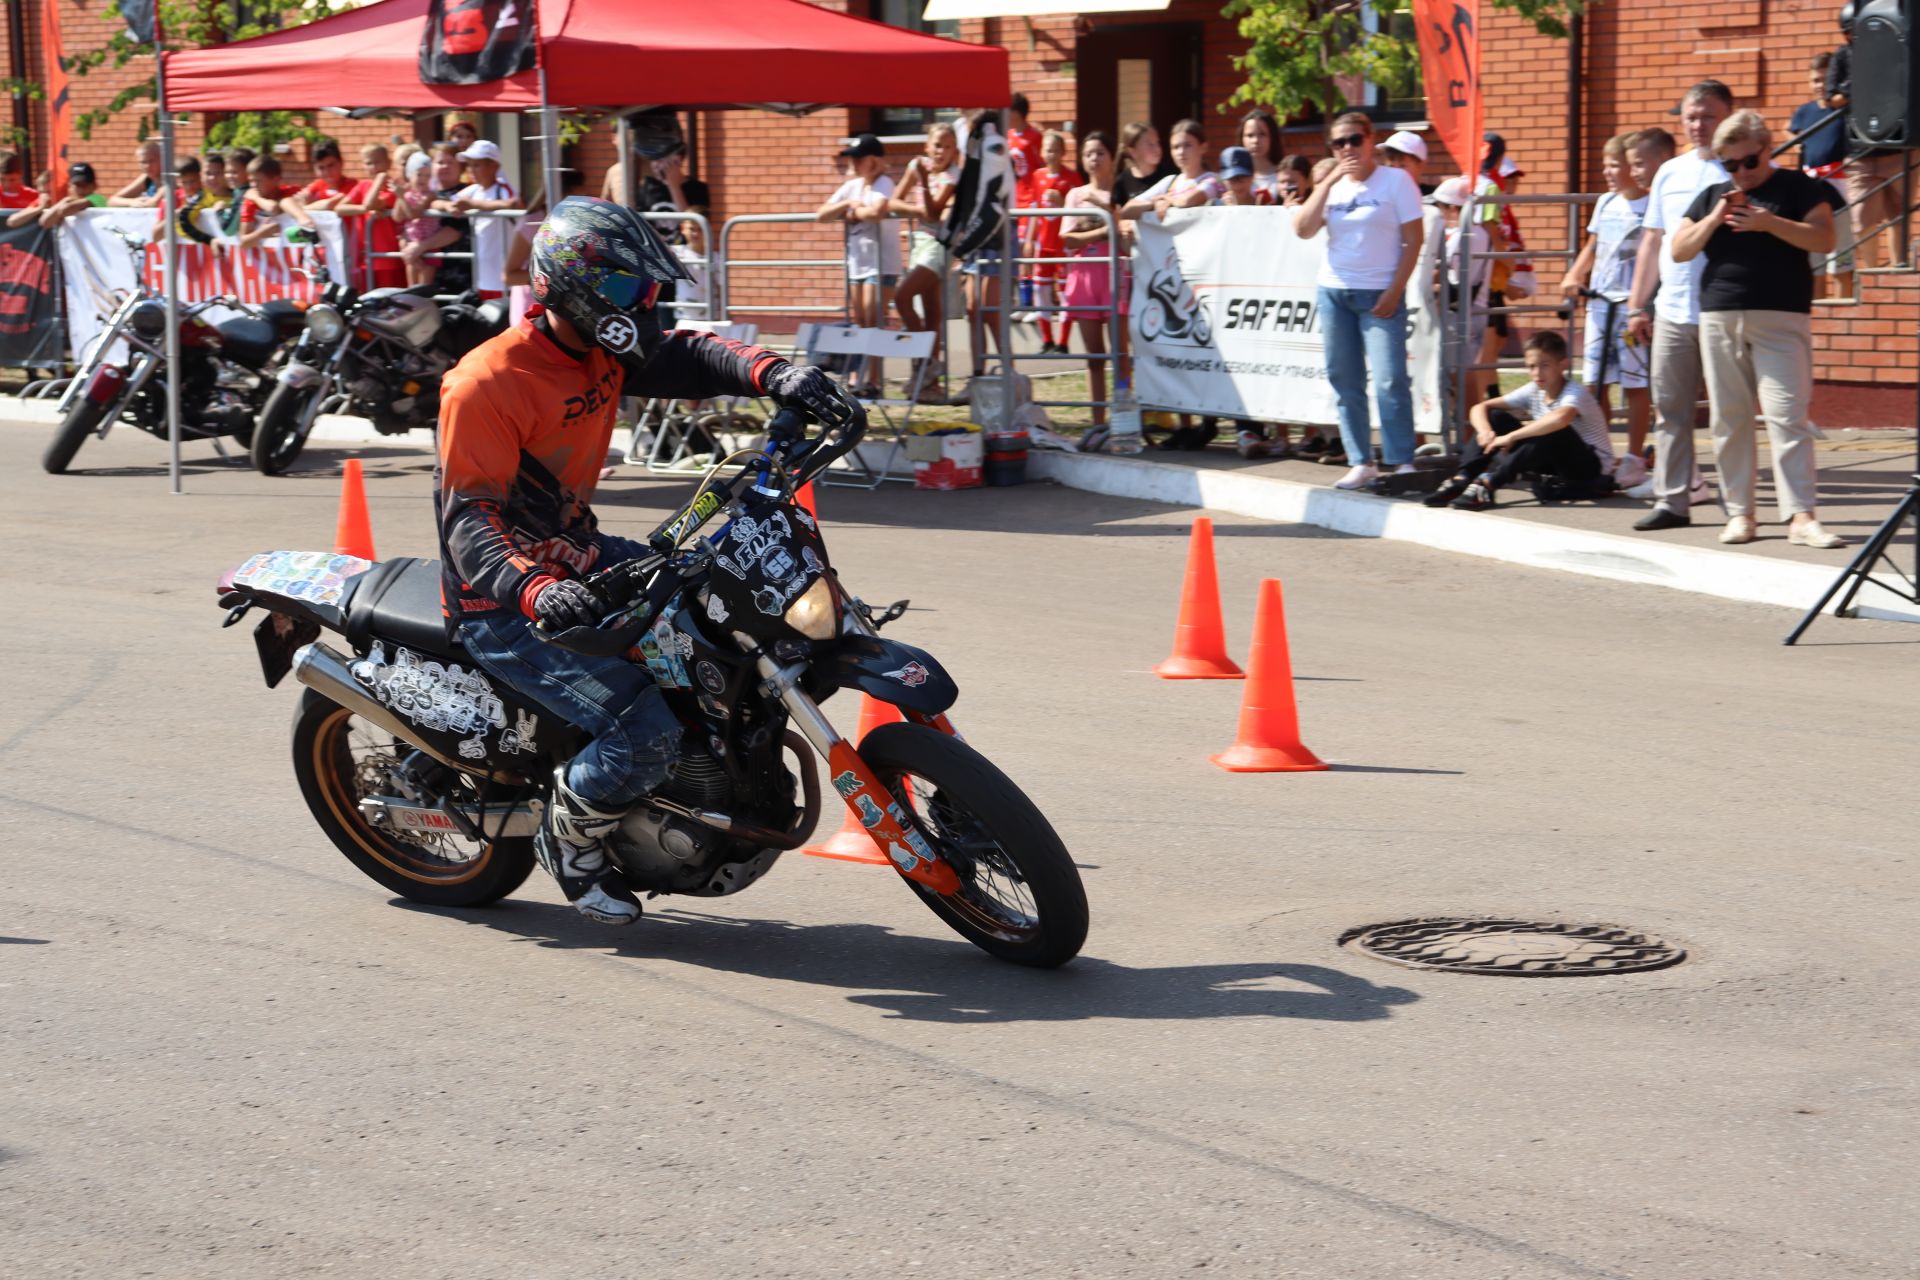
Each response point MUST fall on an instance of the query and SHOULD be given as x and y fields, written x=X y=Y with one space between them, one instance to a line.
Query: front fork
x=878 y=810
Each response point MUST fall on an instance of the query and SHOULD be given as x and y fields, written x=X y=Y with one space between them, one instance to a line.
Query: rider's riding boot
x=572 y=846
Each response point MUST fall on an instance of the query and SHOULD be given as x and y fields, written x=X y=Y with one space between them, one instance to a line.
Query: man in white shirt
x=1671 y=320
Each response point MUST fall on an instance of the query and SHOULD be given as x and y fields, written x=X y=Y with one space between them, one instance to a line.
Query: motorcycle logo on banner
x=29 y=315
x=474 y=41
x=1172 y=313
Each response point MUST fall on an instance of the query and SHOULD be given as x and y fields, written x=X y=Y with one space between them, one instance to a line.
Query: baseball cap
x=1453 y=191
x=864 y=144
x=482 y=150
x=418 y=163
x=1408 y=144
x=81 y=172
x=1236 y=162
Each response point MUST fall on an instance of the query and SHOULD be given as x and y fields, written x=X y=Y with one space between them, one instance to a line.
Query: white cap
x=418 y=163
x=482 y=150
x=1453 y=191
x=1408 y=144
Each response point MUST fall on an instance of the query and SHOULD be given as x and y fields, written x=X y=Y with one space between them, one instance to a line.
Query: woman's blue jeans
x=1356 y=340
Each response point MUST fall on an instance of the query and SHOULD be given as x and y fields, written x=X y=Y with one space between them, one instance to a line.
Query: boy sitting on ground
x=1563 y=442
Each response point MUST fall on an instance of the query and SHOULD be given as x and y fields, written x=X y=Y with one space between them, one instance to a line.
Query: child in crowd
x=1562 y=442
x=413 y=210
x=14 y=191
x=213 y=171
x=329 y=187
x=1190 y=186
x=1295 y=180
x=873 y=242
x=924 y=193
x=371 y=200
x=690 y=247
x=1089 y=288
x=1236 y=171
x=486 y=194
x=191 y=199
x=1605 y=267
x=266 y=200
x=1048 y=188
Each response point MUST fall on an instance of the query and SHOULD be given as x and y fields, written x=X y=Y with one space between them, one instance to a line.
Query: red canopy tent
x=784 y=54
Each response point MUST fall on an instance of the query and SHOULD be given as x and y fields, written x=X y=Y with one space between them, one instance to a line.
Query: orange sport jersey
x=524 y=430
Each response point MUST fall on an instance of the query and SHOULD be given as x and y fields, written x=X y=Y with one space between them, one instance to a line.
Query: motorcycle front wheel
x=82 y=420
x=1020 y=896
x=281 y=432
x=340 y=760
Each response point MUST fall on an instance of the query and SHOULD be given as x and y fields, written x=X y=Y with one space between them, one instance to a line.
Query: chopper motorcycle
x=225 y=370
x=432 y=778
x=377 y=355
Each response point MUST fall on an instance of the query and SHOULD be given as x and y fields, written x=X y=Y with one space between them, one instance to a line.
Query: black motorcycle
x=377 y=355
x=432 y=778
x=225 y=371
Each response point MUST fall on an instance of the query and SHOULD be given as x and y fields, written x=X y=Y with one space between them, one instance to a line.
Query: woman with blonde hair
x=925 y=190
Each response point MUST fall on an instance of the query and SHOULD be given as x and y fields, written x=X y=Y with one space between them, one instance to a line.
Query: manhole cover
x=1516 y=948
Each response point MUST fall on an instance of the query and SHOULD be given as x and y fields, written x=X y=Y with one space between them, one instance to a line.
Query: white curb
x=1730 y=575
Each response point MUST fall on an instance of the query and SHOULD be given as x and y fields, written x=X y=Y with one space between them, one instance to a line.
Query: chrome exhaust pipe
x=325 y=672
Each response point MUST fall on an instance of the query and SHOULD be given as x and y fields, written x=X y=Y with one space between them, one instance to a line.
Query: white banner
x=1225 y=321
x=99 y=265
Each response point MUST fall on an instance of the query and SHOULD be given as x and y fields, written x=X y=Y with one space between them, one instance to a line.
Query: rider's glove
x=558 y=604
x=810 y=389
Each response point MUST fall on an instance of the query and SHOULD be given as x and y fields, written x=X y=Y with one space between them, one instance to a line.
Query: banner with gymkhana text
x=100 y=249
x=1225 y=320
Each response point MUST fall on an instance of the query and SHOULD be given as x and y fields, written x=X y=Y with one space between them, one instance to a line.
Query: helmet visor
x=627 y=291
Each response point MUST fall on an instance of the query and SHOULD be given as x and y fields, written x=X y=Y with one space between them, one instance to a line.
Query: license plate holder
x=277 y=638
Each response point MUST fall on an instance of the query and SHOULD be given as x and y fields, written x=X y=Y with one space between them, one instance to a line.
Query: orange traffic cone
x=353 y=536
x=1269 y=737
x=805 y=499
x=1199 y=644
x=851 y=843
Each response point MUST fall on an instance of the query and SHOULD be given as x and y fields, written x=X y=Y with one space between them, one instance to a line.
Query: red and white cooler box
x=950 y=459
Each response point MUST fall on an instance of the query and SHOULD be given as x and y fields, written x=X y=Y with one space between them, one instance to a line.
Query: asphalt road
x=225 y=1053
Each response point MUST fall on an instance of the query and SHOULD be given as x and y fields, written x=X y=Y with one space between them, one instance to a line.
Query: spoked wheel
x=1020 y=896
x=341 y=760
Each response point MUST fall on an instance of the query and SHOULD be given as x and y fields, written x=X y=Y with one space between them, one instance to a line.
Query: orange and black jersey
x=524 y=430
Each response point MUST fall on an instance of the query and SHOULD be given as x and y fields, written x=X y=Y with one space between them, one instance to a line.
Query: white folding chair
x=665 y=431
x=820 y=341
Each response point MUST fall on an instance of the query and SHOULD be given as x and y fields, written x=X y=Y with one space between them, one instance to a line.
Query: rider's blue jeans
x=635 y=736
x=1355 y=341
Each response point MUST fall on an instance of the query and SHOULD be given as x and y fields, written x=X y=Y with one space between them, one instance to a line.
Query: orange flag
x=1450 y=66
x=59 y=103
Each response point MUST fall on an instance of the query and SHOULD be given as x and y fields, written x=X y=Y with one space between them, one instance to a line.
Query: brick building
x=1632 y=62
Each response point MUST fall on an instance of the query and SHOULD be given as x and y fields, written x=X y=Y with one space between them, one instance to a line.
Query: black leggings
x=1561 y=455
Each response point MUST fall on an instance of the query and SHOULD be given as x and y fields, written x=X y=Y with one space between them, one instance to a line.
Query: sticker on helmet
x=617 y=333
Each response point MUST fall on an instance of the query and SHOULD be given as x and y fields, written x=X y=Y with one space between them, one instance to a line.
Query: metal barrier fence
x=1010 y=262
x=726 y=264
x=1460 y=354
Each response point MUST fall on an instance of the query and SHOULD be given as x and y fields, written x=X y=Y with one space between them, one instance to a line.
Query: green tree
x=195 y=24
x=1298 y=51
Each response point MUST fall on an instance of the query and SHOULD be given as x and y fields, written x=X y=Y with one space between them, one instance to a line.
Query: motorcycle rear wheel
x=278 y=436
x=1020 y=895
x=336 y=758
x=82 y=420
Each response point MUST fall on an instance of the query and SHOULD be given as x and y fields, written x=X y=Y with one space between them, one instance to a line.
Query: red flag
x=59 y=103
x=1450 y=66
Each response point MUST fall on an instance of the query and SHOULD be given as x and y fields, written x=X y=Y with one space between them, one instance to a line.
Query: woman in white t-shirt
x=873 y=240
x=1372 y=218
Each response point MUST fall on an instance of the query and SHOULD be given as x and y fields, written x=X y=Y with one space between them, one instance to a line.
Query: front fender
x=895 y=673
x=301 y=376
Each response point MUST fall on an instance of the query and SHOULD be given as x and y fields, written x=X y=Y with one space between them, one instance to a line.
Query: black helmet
x=601 y=266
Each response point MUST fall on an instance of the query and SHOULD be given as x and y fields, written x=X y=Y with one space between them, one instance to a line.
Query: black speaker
x=1882 y=109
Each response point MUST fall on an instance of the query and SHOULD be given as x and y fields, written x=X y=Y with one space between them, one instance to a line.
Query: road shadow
x=937 y=980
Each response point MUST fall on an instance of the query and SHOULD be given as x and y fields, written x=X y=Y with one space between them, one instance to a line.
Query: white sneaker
x=1643 y=490
x=1358 y=478
x=1811 y=534
x=1740 y=529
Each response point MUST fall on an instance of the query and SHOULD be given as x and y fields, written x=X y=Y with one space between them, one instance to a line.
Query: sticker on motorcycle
x=520 y=737
x=870 y=814
x=710 y=677
x=913 y=675
x=665 y=652
x=847 y=783
x=716 y=610
x=318 y=577
x=443 y=697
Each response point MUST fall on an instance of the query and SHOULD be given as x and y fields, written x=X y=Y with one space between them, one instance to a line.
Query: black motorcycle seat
x=248 y=340
x=398 y=601
x=284 y=314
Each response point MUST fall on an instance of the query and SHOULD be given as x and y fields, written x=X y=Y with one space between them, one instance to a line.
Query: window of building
x=909 y=15
x=1397 y=101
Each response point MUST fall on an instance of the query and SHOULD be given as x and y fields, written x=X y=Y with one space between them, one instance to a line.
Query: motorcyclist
x=525 y=421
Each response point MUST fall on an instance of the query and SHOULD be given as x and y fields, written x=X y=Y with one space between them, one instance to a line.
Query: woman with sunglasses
x=1372 y=217
x=1756 y=320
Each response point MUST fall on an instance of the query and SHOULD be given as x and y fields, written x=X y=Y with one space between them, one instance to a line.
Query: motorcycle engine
x=665 y=853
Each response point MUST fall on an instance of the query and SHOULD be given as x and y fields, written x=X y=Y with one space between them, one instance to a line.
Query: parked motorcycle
x=432 y=778
x=378 y=355
x=225 y=370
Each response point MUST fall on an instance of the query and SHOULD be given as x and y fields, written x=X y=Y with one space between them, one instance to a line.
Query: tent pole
x=170 y=272
x=549 y=144
x=1003 y=317
x=623 y=143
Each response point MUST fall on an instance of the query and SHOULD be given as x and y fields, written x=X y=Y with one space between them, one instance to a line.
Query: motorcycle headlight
x=325 y=323
x=813 y=615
